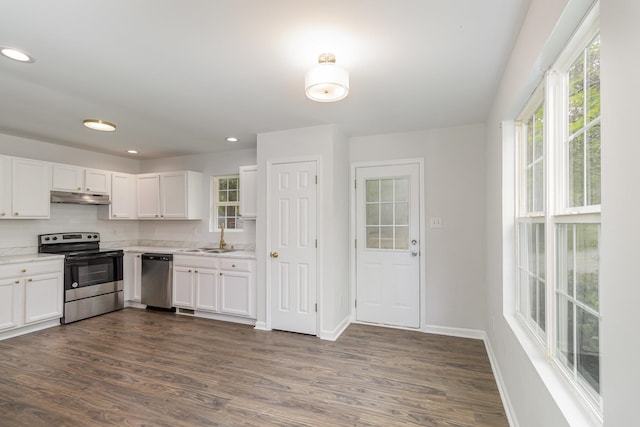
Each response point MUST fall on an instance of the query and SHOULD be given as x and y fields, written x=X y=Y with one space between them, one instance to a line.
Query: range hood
x=79 y=198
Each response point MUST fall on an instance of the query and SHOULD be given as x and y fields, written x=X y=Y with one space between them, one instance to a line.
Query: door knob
x=274 y=254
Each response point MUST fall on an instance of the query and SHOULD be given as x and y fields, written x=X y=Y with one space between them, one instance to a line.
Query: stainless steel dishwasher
x=157 y=280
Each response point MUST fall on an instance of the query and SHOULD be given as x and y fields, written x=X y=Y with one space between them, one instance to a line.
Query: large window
x=226 y=203
x=558 y=213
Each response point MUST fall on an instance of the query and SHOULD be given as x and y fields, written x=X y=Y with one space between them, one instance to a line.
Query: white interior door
x=388 y=245
x=293 y=199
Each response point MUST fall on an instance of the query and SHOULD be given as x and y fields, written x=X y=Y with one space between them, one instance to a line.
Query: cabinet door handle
x=195 y=271
x=189 y=271
x=2 y=214
x=24 y=270
x=17 y=282
x=88 y=189
x=29 y=280
x=16 y=214
x=79 y=188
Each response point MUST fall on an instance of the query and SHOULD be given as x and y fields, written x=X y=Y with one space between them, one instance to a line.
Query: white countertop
x=181 y=251
x=13 y=259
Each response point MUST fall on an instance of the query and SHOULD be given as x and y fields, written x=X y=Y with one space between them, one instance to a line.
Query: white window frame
x=556 y=209
x=524 y=216
x=215 y=203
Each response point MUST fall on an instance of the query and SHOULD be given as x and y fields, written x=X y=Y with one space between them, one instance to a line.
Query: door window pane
x=402 y=214
x=373 y=191
x=387 y=213
x=386 y=190
x=373 y=212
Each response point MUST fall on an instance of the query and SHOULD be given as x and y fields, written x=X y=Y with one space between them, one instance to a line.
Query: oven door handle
x=81 y=258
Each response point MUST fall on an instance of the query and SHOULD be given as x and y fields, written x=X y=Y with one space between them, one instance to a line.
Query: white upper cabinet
x=82 y=180
x=5 y=186
x=170 y=195
x=24 y=188
x=148 y=190
x=248 y=193
x=123 y=196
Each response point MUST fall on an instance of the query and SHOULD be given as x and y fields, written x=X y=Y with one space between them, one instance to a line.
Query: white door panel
x=388 y=248
x=293 y=234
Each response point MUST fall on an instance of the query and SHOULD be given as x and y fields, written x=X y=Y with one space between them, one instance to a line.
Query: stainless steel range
x=93 y=282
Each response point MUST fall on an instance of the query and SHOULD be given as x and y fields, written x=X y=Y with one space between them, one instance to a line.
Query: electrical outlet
x=436 y=222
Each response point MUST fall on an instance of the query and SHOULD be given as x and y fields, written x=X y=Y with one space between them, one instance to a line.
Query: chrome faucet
x=222 y=243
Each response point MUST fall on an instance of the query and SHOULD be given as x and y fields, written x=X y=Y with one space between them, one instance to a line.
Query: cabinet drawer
x=195 y=261
x=30 y=268
x=235 y=264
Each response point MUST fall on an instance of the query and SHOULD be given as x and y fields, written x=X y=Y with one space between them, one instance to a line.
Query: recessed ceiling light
x=232 y=139
x=101 y=125
x=132 y=151
x=16 y=55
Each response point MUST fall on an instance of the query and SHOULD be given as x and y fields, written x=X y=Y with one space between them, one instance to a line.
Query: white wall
x=536 y=396
x=620 y=291
x=327 y=145
x=453 y=191
x=210 y=164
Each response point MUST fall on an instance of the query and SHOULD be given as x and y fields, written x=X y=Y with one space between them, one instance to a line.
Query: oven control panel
x=50 y=239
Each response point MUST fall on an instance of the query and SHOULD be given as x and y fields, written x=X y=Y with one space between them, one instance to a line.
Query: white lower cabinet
x=206 y=285
x=183 y=283
x=237 y=287
x=30 y=292
x=215 y=285
x=10 y=303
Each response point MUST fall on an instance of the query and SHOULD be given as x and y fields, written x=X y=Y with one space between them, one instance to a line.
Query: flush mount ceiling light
x=132 y=151
x=232 y=139
x=326 y=82
x=101 y=125
x=16 y=55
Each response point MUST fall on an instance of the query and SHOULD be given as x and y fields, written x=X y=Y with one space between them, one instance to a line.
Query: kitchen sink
x=207 y=250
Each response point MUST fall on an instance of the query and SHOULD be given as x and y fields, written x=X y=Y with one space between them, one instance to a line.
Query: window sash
x=571 y=328
x=227 y=210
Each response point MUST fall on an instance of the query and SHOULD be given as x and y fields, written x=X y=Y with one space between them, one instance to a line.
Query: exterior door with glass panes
x=388 y=245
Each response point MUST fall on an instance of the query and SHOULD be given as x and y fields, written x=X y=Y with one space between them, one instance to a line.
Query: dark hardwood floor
x=139 y=368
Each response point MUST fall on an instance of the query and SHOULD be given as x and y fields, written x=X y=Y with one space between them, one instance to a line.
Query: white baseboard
x=476 y=334
x=337 y=331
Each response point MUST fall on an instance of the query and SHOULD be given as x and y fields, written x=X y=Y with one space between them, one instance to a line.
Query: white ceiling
x=178 y=76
